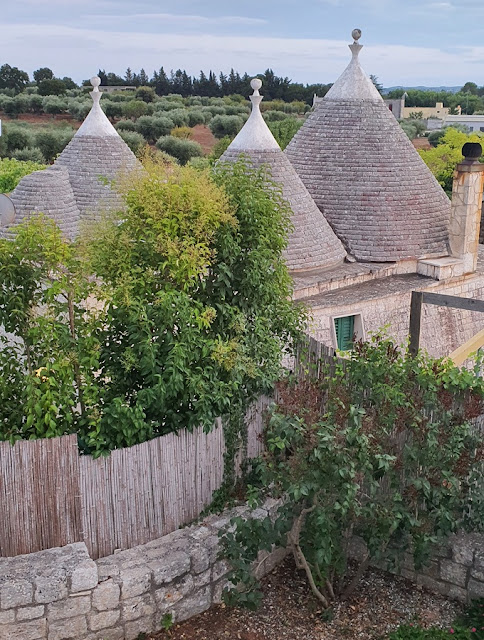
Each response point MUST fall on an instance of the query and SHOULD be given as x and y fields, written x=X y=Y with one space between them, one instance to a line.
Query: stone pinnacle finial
x=95 y=81
x=256 y=84
x=356 y=47
x=95 y=93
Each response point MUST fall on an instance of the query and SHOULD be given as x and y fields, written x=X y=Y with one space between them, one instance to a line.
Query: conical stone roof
x=94 y=157
x=365 y=175
x=48 y=191
x=312 y=244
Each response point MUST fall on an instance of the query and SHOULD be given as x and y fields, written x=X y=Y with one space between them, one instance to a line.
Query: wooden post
x=415 y=321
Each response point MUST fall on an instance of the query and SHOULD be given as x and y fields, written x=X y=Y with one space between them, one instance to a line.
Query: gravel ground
x=289 y=612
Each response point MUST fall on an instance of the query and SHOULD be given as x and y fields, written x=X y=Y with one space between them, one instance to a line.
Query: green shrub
x=112 y=109
x=195 y=116
x=182 y=150
x=52 y=142
x=35 y=103
x=135 y=109
x=30 y=154
x=179 y=117
x=146 y=94
x=17 y=138
x=126 y=125
x=220 y=148
x=275 y=116
x=12 y=171
x=285 y=130
x=166 y=105
x=54 y=105
x=78 y=108
x=134 y=140
x=237 y=110
x=214 y=111
x=11 y=107
x=415 y=632
x=222 y=126
x=152 y=127
x=185 y=133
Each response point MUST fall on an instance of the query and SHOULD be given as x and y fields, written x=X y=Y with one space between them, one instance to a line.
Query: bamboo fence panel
x=39 y=495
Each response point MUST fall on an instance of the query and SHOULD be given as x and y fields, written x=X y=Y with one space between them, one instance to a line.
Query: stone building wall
x=443 y=329
x=63 y=594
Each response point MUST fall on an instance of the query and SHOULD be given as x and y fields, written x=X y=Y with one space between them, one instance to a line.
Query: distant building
x=473 y=123
x=113 y=88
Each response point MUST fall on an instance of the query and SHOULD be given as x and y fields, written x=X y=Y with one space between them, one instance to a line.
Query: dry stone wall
x=62 y=594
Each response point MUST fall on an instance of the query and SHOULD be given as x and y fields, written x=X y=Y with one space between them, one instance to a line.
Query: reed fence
x=51 y=496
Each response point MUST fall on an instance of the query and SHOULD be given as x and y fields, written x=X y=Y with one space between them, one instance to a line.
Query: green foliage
x=135 y=141
x=126 y=125
x=195 y=116
x=443 y=159
x=16 y=137
x=415 y=632
x=146 y=94
x=181 y=132
x=220 y=148
x=52 y=142
x=12 y=171
x=222 y=126
x=51 y=87
x=182 y=150
x=167 y=622
x=382 y=448
x=275 y=116
x=29 y=154
x=54 y=105
x=285 y=130
x=134 y=109
x=152 y=127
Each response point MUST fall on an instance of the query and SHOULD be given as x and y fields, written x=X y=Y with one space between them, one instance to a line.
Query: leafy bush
x=78 y=109
x=31 y=154
x=285 y=130
x=17 y=138
x=179 y=117
x=415 y=632
x=182 y=150
x=166 y=105
x=52 y=142
x=195 y=117
x=135 y=109
x=146 y=94
x=178 y=271
x=126 y=125
x=112 y=109
x=134 y=140
x=181 y=132
x=12 y=171
x=275 y=116
x=11 y=107
x=222 y=126
x=152 y=127
x=220 y=148
x=54 y=105
x=382 y=448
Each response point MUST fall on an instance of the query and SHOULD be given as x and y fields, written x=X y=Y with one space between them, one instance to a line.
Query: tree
x=146 y=94
x=134 y=109
x=161 y=83
x=128 y=77
x=182 y=150
x=470 y=87
x=44 y=73
x=13 y=78
x=382 y=449
x=53 y=87
x=377 y=84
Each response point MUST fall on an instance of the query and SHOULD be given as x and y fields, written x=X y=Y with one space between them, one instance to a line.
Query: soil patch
x=421 y=143
x=204 y=137
x=290 y=612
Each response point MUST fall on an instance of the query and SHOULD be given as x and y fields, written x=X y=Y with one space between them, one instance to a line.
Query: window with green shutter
x=345 y=329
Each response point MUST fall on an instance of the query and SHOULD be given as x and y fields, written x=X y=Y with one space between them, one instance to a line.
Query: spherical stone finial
x=95 y=81
x=256 y=84
x=356 y=34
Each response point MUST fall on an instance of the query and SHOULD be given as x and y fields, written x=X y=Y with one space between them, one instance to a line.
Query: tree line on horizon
x=180 y=82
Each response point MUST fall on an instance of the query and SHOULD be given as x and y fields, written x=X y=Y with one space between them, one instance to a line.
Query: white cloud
x=79 y=52
x=181 y=19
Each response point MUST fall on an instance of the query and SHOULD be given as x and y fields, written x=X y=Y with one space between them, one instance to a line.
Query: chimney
x=465 y=216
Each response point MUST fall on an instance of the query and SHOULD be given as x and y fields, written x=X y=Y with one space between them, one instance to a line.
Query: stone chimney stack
x=465 y=217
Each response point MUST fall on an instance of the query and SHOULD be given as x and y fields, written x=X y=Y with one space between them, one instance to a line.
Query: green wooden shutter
x=345 y=328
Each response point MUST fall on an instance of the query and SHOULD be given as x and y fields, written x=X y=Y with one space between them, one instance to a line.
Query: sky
x=407 y=42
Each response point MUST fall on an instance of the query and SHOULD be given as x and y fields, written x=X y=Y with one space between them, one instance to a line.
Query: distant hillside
x=420 y=88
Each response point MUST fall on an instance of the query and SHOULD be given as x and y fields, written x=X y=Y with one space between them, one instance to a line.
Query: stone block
x=457 y=593
x=463 y=550
x=30 y=613
x=72 y=607
x=106 y=634
x=454 y=573
x=50 y=588
x=169 y=595
x=106 y=596
x=220 y=569
x=84 y=577
x=202 y=579
x=219 y=588
x=475 y=589
x=72 y=629
x=200 y=559
x=170 y=567
x=36 y=630
x=15 y=593
x=103 y=619
x=477 y=574
x=193 y=605
x=433 y=585
x=142 y=625
x=8 y=616
x=135 y=582
x=138 y=607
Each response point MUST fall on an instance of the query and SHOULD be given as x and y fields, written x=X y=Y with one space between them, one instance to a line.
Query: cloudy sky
x=408 y=42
